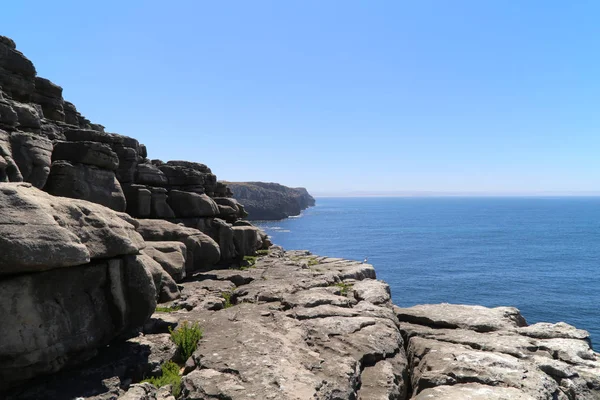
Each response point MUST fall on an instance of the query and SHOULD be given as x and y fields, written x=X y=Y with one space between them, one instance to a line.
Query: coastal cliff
x=105 y=254
x=270 y=201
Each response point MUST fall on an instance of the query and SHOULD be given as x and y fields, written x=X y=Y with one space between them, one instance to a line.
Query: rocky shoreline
x=299 y=326
x=106 y=255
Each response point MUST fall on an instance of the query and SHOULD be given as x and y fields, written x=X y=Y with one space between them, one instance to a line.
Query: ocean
x=541 y=255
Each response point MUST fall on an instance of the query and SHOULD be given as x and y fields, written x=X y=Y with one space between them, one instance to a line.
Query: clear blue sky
x=493 y=96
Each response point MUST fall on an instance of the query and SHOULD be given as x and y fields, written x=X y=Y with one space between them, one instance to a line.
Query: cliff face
x=93 y=233
x=270 y=201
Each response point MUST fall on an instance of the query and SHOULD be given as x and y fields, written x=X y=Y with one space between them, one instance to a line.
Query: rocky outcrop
x=45 y=141
x=270 y=201
x=298 y=326
x=457 y=351
x=75 y=271
x=71 y=279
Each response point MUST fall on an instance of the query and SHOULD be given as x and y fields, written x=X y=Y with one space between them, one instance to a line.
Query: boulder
x=86 y=182
x=40 y=232
x=89 y=153
x=170 y=255
x=247 y=240
x=187 y=204
x=202 y=251
x=58 y=318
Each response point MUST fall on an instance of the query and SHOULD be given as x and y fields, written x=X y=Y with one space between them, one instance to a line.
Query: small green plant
x=186 y=337
x=250 y=260
x=344 y=287
x=168 y=309
x=227 y=297
x=313 y=261
x=170 y=376
x=262 y=252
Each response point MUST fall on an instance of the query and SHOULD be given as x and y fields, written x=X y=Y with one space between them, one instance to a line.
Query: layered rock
x=457 y=352
x=270 y=201
x=298 y=326
x=45 y=141
x=71 y=279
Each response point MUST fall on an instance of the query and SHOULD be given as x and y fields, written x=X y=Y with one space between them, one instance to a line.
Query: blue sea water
x=541 y=255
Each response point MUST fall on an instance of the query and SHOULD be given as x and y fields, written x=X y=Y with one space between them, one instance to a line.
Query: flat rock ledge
x=299 y=326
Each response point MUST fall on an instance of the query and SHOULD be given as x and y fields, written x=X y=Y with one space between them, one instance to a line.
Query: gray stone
x=60 y=317
x=40 y=232
x=170 y=255
x=90 y=153
x=33 y=157
x=86 y=182
x=202 y=251
x=247 y=240
x=187 y=204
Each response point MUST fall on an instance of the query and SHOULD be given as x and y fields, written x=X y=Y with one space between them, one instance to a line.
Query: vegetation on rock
x=186 y=337
x=169 y=376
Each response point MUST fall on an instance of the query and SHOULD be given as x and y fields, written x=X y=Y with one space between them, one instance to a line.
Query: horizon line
x=457 y=194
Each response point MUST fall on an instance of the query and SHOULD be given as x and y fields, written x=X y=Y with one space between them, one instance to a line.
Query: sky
x=338 y=96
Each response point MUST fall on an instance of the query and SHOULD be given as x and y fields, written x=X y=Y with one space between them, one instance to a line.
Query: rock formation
x=77 y=269
x=270 y=201
x=93 y=235
x=299 y=326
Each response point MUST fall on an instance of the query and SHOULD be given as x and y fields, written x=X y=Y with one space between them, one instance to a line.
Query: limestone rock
x=187 y=204
x=247 y=240
x=459 y=351
x=477 y=318
x=202 y=251
x=148 y=174
x=40 y=232
x=86 y=182
x=33 y=157
x=170 y=255
x=90 y=153
x=56 y=318
x=166 y=288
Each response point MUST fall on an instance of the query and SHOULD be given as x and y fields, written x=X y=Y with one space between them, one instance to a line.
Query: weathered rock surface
x=40 y=232
x=270 y=201
x=86 y=182
x=56 y=318
x=170 y=255
x=298 y=326
x=202 y=251
x=458 y=351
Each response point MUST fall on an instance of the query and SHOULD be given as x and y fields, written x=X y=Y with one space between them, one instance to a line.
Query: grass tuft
x=227 y=297
x=169 y=376
x=313 y=261
x=344 y=287
x=186 y=337
x=168 y=309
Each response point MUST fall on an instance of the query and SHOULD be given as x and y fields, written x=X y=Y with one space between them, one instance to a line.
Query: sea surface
x=541 y=255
